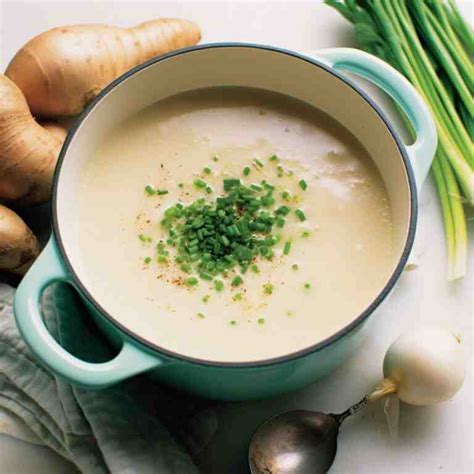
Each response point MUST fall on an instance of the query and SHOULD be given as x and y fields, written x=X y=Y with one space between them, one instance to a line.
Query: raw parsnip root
x=28 y=152
x=18 y=245
x=55 y=129
x=62 y=69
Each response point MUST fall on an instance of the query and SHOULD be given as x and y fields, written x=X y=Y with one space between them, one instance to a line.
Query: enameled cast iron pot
x=312 y=78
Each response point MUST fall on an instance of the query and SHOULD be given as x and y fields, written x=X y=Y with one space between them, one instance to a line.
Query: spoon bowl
x=296 y=442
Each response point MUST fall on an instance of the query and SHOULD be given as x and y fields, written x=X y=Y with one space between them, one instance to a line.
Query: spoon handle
x=351 y=410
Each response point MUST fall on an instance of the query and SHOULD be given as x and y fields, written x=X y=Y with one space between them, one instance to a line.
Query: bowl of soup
x=232 y=216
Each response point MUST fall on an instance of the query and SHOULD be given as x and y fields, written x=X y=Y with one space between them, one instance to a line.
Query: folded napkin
x=134 y=427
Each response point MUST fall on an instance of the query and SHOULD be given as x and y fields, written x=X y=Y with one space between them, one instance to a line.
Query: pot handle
x=421 y=153
x=47 y=269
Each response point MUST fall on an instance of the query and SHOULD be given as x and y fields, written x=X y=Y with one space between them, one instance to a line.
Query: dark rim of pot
x=275 y=360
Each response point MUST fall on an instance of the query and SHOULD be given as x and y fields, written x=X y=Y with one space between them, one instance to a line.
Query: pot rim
x=355 y=323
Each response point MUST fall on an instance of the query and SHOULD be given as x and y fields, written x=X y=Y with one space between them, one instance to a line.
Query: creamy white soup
x=294 y=243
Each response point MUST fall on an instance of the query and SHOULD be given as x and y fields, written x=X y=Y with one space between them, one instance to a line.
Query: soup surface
x=327 y=238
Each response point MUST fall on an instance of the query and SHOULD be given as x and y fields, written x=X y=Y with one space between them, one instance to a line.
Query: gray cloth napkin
x=134 y=427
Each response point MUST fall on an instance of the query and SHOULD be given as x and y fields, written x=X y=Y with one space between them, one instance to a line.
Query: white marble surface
x=432 y=440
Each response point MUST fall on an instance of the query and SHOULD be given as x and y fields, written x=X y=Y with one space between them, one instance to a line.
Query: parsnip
x=28 y=152
x=55 y=129
x=62 y=69
x=18 y=245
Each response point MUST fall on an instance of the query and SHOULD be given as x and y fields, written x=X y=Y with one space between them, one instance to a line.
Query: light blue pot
x=313 y=78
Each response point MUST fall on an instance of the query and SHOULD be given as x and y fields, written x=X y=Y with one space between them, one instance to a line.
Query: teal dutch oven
x=312 y=78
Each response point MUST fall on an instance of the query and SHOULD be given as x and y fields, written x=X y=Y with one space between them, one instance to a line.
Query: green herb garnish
x=237 y=281
x=200 y=316
x=300 y=215
x=268 y=288
x=303 y=185
x=149 y=190
x=261 y=320
x=147 y=260
x=295 y=266
x=207 y=170
x=192 y=281
x=287 y=247
x=199 y=183
x=246 y=171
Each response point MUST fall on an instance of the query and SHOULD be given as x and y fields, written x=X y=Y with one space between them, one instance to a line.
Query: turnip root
x=18 y=245
x=28 y=152
x=62 y=69
x=423 y=367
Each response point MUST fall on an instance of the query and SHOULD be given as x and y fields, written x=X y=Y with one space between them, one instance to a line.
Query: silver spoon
x=298 y=442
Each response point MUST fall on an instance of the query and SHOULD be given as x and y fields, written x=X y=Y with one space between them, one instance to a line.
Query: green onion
x=261 y=320
x=246 y=171
x=295 y=266
x=218 y=285
x=147 y=260
x=307 y=286
x=255 y=269
x=161 y=192
x=233 y=323
x=200 y=316
x=207 y=170
x=258 y=163
x=192 y=281
x=431 y=44
x=273 y=158
x=287 y=247
x=215 y=158
x=180 y=185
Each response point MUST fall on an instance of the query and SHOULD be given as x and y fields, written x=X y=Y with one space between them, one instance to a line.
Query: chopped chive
x=285 y=195
x=205 y=298
x=162 y=192
x=147 y=260
x=233 y=323
x=199 y=183
x=180 y=185
x=200 y=316
x=295 y=266
x=256 y=187
x=280 y=222
x=306 y=234
x=273 y=158
x=215 y=158
x=287 y=247
x=282 y=210
x=208 y=190
x=149 y=190
x=237 y=297
x=258 y=163
x=268 y=288
x=218 y=285
x=254 y=268
x=230 y=183
x=261 y=320
x=300 y=215
x=162 y=259
x=303 y=185
x=192 y=281
x=246 y=171
x=206 y=276
x=207 y=170
x=237 y=281
x=307 y=286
